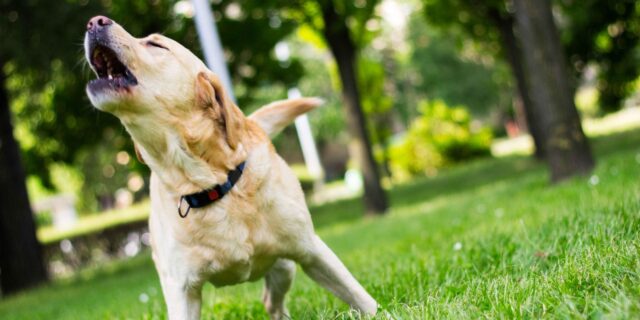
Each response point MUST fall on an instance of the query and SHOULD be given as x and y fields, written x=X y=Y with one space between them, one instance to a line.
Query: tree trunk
x=343 y=49
x=21 y=264
x=514 y=56
x=567 y=148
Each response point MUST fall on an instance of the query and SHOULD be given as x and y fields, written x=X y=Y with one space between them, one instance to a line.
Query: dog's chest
x=228 y=248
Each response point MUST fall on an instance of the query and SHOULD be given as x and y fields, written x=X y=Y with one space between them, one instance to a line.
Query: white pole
x=309 y=150
x=210 y=42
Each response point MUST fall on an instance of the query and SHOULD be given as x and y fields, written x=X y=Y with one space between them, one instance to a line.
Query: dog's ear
x=210 y=94
x=273 y=117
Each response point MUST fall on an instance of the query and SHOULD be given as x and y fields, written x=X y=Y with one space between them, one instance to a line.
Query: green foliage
x=443 y=72
x=358 y=15
x=376 y=102
x=103 y=174
x=439 y=137
x=327 y=122
x=43 y=219
x=473 y=20
x=461 y=54
x=489 y=240
x=604 y=33
x=443 y=62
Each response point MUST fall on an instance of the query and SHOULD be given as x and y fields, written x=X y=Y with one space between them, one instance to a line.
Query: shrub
x=438 y=137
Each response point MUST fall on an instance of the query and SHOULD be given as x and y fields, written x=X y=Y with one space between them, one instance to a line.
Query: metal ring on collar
x=180 y=209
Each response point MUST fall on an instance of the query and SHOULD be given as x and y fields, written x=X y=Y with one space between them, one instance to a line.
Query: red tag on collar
x=213 y=195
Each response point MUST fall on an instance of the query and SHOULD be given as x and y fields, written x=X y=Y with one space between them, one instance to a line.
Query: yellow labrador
x=225 y=208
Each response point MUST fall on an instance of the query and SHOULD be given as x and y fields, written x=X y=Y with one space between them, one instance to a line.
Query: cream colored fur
x=273 y=117
x=191 y=134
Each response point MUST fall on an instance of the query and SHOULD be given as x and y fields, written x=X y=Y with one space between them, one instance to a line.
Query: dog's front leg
x=183 y=300
x=323 y=266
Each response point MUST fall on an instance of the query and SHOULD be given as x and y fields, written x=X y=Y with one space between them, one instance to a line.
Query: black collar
x=211 y=195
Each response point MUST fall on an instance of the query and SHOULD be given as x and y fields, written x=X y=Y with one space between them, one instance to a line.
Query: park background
x=480 y=159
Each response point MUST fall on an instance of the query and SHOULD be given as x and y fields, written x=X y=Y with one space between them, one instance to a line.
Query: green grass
x=491 y=239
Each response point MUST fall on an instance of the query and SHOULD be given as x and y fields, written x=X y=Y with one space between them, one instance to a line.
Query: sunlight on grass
x=92 y=223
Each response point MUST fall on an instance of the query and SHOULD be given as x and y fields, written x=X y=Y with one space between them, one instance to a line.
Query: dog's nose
x=98 y=22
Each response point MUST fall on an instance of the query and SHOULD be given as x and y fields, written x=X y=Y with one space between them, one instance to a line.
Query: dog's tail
x=273 y=117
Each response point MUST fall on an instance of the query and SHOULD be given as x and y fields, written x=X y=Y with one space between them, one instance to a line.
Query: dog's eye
x=157 y=45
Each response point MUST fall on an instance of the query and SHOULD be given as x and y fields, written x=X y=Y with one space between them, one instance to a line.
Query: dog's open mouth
x=112 y=73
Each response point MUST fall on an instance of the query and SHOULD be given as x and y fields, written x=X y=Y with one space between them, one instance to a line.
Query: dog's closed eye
x=155 y=44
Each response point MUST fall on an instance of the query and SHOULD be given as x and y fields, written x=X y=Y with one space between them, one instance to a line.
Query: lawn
x=490 y=239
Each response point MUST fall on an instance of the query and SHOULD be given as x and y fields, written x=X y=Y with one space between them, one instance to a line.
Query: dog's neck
x=186 y=158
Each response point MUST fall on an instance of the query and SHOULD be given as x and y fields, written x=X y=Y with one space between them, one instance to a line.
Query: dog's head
x=153 y=84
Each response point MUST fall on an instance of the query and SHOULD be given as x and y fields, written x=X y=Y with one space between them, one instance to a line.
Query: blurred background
x=413 y=89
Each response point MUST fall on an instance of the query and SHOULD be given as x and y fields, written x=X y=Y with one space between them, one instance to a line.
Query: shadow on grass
x=614 y=143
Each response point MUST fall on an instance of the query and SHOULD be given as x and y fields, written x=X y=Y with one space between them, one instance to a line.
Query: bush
x=439 y=137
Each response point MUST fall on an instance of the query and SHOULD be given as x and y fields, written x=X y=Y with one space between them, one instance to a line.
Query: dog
x=225 y=207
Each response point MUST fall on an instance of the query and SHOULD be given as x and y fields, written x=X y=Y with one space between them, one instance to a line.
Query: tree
x=329 y=18
x=21 y=262
x=24 y=51
x=546 y=72
x=504 y=22
x=342 y=47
